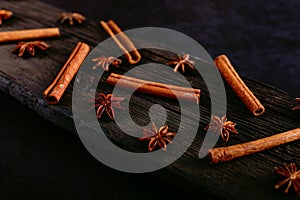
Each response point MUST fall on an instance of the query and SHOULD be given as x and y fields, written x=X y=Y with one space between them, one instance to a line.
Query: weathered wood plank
x=245 y=178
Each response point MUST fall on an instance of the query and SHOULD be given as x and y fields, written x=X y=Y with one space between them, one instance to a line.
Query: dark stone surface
x=262 y=38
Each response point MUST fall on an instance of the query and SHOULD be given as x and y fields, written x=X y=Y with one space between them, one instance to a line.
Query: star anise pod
x=105 y=62
x=222 y=126
x=5 y=14
x=71 y=18
x=28 y=48
x=181 y=61
x=292 y=176
x=298 y=106
x=158 y=138
x=105 y=103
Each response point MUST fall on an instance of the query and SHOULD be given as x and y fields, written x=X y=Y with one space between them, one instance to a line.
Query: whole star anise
x=222 y=126
x=298 y=106
x=71 y=18
x=181 y=61
x=5 y=14
x=105 y=62
x=158 y=138
x=105 y=103
x=292 y=176
x=28 y=48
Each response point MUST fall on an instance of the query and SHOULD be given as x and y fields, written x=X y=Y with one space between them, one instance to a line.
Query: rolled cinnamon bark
x=224 y=154
x=11 y=36
x=154 y=88
x=125 y=44
x=55 y=91
x=237 y=84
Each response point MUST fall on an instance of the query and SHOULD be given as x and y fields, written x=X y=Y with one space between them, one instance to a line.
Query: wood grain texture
x=251 y=177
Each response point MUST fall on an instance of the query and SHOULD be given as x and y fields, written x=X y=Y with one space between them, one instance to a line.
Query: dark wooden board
x=245 y=178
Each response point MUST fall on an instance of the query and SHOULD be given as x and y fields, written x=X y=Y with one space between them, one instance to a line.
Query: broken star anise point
x=5 y=14
x=106 y=103
x=158 y=138
x=222 y=126
x=292 y=177
x=181 y=62
x=105 y=62
x=298 y=106
x=71 y=18
x=28 y=48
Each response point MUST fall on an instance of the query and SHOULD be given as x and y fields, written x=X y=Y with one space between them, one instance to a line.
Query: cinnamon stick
x=237 y=84
x=11 y=36
x=154 y=88
x=55 y=91
x=224 y=154
x=122 y=41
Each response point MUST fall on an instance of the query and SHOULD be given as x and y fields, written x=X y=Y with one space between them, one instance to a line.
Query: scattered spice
x=5 y=14
x=28 y=48
x=158 y=138
x=298 y=106
x=223 y=154
x=57 y=88
x=222 y=126
x=292 y=177
x=181 y=61
x=71 y=18
x=106 y=103
x=124 y=43
x=105 y=62
x=238 y=86
x=153 y=88
x=30 y=34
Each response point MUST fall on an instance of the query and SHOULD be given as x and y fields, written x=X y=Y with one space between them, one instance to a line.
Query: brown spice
x=105 y=103
x=298 y=106
x=237 y=84
x=28 y=48
x=181 y=61
x=222 y=126
x=105 y=62
x=5 y=14
x=158 y=138
x=153 y=88
x=124 y=43
x=292 y=177
x=55 y=91
x=223 y=154
x=71 y=18
x=32 y=34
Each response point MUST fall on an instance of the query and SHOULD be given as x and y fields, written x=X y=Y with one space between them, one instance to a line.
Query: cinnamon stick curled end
x=238 y=85
x=57 y=88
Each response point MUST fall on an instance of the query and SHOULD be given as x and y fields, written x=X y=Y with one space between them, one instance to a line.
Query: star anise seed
x=298 y=106
x=222 y=126
x=105 y=103
x=105 y=62
x=292 y=177
x=28 y=48
x=158 y=138
x=5 y=14
x=181 y=61
x=71 y=18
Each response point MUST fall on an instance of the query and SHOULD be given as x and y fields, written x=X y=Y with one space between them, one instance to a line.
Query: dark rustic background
x=40 y=159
